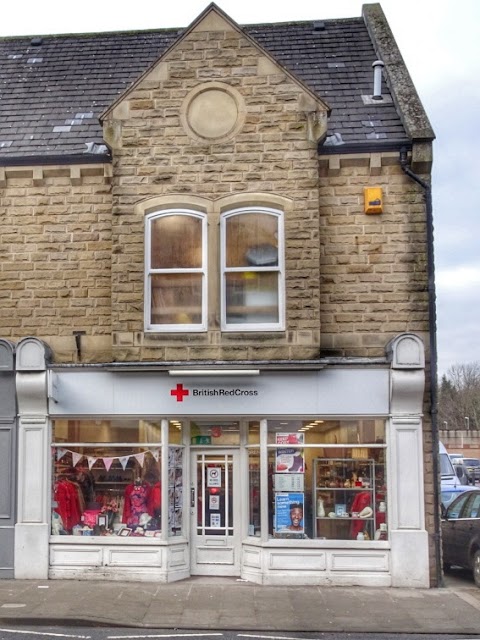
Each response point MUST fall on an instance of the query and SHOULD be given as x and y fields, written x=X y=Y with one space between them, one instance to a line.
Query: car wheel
x=476 y=568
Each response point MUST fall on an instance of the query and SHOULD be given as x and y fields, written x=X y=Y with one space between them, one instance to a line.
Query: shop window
x=252 y=269
x=327 y=479
x=175 y=490
x=254 y=495
x=106 y=479
x=223 y=433
x=176 y=271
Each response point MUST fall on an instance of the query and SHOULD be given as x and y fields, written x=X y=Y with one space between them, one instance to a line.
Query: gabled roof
x=214 y=15
x=54 y=88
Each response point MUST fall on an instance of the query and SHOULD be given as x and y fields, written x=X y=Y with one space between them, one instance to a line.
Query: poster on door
x=214 y=502
x=215 y=522
x=214 y=477
x=289 y=459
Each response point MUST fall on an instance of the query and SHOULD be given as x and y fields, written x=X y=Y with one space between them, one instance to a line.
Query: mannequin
x=137 y=501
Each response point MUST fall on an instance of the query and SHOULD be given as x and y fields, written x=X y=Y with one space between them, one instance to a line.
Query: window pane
x=177 y=298
x=175 y=491
x=176 y=242
x=252 y=240
x=175 y=431
x=333 y=472
x=252 y=297
x=331 y=498
x=91 y=431
x=105 y=490
x=215 y=432
x=254 y=432
x=254 y=492
x=331 y=432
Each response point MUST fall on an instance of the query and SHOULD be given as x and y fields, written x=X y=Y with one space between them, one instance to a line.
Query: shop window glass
x=254 y=432
x=215 y=432
x=106 y=478
x=175 y=428
x=330 y=432
x=254 y=492
x=176 y=266
x=252 y=269
x=106 y=431
x=175 y=491
x=327 y=479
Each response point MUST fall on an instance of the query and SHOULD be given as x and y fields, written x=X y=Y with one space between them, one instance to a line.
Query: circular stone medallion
x=213 y=112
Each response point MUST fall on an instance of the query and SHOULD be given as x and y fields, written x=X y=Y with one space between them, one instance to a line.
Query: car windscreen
x=446 y=468
x=471 y=462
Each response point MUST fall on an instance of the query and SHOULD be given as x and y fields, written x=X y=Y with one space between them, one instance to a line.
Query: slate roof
x=54 y=88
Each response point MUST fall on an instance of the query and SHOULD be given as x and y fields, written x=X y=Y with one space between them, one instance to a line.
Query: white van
x=448 y=477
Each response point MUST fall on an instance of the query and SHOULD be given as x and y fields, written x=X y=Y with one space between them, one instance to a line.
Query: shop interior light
x=214 y=372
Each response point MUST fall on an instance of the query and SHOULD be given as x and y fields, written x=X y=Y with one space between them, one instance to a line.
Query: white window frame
x=280 y=270
x=149 y=272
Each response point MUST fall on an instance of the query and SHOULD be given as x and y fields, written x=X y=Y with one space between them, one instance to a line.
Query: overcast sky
x=440 y=42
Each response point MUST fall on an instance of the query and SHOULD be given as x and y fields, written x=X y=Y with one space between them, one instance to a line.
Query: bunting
x=61 y=453
x=124 y=461
x=107 y=460
x=76 y=457
x=140 y=458
x=108 y=463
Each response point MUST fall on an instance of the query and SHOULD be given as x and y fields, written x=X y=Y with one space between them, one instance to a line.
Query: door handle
x=192 y=498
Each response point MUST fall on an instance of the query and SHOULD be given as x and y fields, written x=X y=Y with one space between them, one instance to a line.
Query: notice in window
x=289 y=459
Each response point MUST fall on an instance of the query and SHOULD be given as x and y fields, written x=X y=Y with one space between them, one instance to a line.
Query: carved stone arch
x=407 y=359
x=255 y=199
x=33 y=355
x=406 y=351
x=7 y=355
x=173 y=201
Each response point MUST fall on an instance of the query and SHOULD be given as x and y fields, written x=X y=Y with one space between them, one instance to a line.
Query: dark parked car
x=473 y=468
x=463 y=474
x=448 y=494
x=461 y=533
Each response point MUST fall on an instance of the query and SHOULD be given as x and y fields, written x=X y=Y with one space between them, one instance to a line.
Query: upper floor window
x=252 y=270
x=176 y=271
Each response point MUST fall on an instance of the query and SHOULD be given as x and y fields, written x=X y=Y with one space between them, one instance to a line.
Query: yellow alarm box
x=373 y=199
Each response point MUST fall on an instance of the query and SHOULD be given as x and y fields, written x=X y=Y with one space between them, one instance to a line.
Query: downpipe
x=432 y=321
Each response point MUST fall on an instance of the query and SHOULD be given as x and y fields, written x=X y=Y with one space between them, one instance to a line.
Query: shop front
x=300 y=475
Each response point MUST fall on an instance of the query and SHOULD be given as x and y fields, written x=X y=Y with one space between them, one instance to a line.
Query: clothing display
x=361 y=501
x=138 y=498
x=70 y=504
x=156 y=500
x=87 y=484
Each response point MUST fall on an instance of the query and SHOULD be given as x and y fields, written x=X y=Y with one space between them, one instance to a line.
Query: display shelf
x=348 y=486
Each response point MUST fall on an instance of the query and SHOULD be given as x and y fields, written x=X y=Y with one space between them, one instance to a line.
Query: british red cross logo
x=179 y=392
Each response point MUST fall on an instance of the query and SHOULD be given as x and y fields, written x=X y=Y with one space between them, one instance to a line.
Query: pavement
x=233 y=604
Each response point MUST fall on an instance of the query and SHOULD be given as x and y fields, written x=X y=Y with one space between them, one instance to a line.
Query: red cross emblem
x=179 y=392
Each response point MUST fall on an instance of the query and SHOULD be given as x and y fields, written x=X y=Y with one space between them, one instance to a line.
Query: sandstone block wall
x=374 y=279
x=55 y=257
x=155 y=155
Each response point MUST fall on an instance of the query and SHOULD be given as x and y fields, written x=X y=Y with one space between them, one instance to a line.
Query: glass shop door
x=215 y=513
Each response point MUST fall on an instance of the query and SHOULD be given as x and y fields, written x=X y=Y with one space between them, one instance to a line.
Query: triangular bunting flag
x=61 y=453
x=140 y=458
x=76 y=457
x=156 y=454
x=91 y=461
x=108 y=463
x=124 y=461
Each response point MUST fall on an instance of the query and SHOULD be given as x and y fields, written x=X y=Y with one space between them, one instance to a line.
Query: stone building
x=217 y=305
